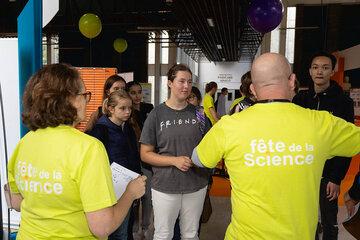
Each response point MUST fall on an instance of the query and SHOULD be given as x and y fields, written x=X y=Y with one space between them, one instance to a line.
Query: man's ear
x=252 y=89
x=332 y=72
x=292 y=81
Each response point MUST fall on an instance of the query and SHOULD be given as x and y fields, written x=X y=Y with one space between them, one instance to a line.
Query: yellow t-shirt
x=208 y=102
x=274 y=154
x=61 y=173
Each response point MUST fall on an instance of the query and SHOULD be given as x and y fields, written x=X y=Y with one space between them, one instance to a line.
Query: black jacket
x=333 y=100
x=120 y=143
x=140 y=116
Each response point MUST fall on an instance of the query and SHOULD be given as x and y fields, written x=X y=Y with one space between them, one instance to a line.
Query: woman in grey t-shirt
x=170 y=134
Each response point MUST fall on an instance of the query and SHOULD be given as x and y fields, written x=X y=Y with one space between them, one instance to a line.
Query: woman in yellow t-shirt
x=208 y=102
x=59 y=177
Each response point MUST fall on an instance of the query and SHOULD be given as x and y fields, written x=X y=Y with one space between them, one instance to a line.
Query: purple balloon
x=264 y=15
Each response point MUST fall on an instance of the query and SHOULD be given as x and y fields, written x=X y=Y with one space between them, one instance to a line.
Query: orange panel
x=349 y=178
x=339 y=74
x=94 y=79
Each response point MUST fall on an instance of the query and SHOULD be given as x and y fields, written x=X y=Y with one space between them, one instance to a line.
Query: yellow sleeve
x=208 y=102
x=344 y=138
x=212 y=147
x=236 y=101
x=11 y=170
x=95 y=179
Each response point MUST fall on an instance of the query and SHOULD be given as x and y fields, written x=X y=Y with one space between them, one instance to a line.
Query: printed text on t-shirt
x=168 y=123
x=278 y=153
x=30 y=179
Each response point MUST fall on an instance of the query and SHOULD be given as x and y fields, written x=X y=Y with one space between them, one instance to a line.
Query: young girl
x=170 y=134
x=118 y=137
x=112 y=83
x=141 y=109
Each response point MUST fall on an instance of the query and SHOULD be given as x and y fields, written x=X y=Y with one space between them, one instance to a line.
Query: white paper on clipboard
x=121 y=176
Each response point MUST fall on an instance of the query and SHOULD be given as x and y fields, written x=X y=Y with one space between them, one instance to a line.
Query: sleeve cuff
x=195 y=159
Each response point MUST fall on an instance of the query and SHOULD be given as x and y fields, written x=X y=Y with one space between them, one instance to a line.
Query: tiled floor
x=216 y=227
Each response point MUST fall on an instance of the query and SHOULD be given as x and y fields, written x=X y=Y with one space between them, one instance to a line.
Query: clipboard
x=121 y=176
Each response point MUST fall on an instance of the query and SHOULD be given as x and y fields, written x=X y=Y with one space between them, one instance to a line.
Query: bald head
x=271 y=75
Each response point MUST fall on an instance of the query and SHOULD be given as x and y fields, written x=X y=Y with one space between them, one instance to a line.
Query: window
x=164 y=89
x=53 y=44
x=196 y=72
x=151 y=79
x=151 y=49
x=44 y=51
x=275 y=40
x=290 y=34
x=164 y=48
x=55 y=49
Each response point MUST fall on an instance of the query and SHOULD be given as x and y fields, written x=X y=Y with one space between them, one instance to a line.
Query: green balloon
x=90 y=25
x=120 y=45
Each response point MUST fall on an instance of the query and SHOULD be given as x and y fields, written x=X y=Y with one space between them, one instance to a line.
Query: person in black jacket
x=249 y=99
x=326 y=94
x=352 y=197
x=139 y=115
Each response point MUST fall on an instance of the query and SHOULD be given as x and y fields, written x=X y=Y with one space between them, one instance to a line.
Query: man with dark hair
x=326 y=94
x=221 y=102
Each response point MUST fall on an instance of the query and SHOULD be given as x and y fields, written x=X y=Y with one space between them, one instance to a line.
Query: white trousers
x=167 y=208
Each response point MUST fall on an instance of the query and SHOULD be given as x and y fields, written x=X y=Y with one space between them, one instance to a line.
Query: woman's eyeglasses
x=87 y=96
x=191 y=97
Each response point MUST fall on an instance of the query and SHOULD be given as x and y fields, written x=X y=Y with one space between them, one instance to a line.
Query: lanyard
x=272 y=100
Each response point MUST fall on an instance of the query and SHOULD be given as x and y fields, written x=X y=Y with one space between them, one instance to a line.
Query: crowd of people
x=284 y=157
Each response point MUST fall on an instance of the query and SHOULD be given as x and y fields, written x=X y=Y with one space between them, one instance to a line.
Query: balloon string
x=90 y=53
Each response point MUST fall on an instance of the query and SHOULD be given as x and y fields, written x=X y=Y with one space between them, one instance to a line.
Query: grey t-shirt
x=174 y=133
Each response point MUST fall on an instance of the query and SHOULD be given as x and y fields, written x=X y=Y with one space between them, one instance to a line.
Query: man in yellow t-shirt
x=275 y=152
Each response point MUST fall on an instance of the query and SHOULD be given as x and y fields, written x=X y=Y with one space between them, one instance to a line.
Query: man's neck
x=321 y=88
x=176 y=104
x=272 y=92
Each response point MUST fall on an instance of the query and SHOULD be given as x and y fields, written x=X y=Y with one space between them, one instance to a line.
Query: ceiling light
x=210 y=21
x=219 y=46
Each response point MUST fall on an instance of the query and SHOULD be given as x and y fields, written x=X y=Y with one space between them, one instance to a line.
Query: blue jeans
x=121 y=232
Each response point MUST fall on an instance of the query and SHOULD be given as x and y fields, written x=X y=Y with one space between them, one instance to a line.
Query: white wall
x=10 y=92
x=351 y=55
x=225 y=74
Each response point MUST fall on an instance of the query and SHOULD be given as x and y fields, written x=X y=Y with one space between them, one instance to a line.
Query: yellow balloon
x=90 y=25
x=120 y=45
